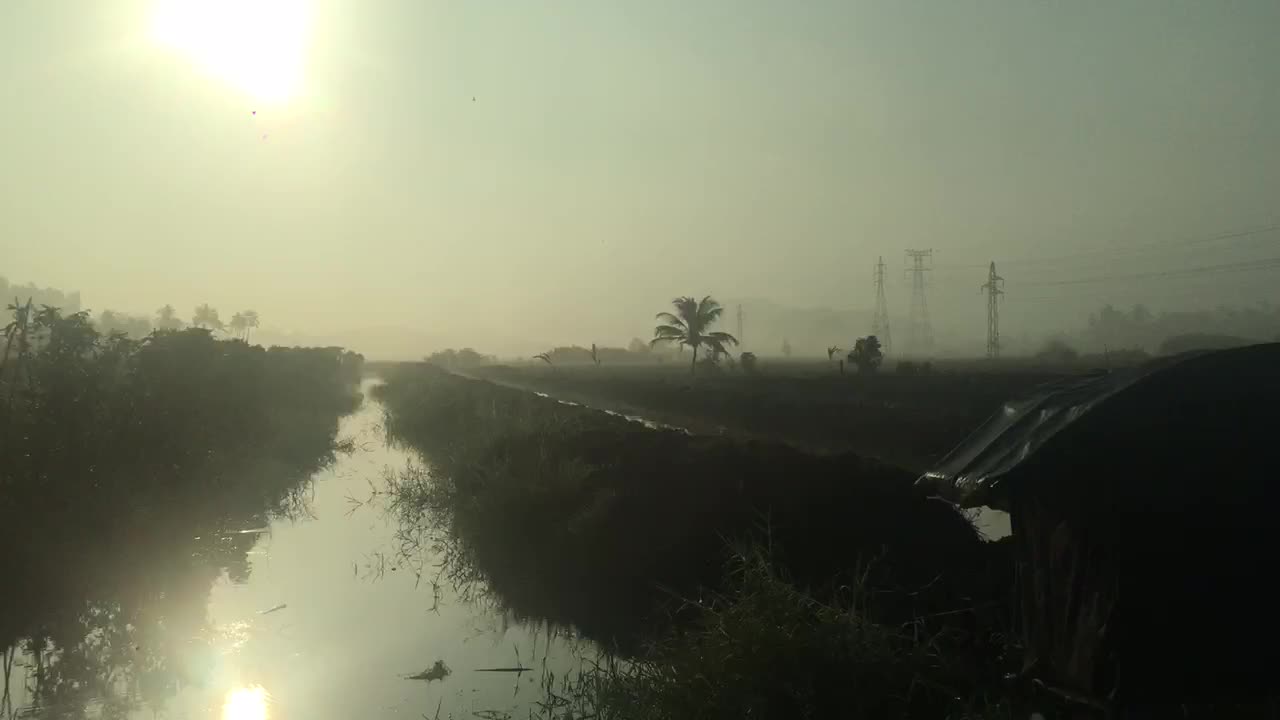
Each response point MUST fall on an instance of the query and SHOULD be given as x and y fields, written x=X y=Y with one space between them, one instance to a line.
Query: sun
x=257 y=46
x=248 y=703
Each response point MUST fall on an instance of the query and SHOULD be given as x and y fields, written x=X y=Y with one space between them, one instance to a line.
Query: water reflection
x=249 y=703
x=299 y=607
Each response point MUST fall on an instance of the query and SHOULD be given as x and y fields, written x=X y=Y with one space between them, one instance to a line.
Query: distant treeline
x=638 y=351
x=1141 y=329
x=67 y=301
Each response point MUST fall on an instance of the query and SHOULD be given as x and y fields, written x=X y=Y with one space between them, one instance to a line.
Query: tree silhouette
x=689 y=327
x=207 y=317
x=238 y=325
x=786 y=347
x=167 y=319
x=251 y=322
x=866 y=354
x=18 y=329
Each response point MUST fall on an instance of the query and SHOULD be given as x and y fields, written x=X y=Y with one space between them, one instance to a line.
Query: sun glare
x=249 y=703
x=258 y=46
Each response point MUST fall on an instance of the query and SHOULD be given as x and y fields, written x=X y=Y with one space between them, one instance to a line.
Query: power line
x=1262 y=264
x=1132 y=249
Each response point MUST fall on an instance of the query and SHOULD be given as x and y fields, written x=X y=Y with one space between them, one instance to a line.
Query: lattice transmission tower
x=741 y=340
x=919 y=332
x=994 y=289
x=880 y=323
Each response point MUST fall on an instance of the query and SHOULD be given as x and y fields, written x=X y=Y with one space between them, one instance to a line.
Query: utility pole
x=993 y=289
x=741 y=342
x=919 y=333
x=880 y=323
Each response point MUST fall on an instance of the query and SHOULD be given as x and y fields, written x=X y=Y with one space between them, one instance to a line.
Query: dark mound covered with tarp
x=1144 y=515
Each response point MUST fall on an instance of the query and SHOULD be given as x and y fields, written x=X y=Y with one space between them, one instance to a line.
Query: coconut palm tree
x=167 y=318
x=238 y=325
x=18 y=330
x=251 y=322
x=689 y=326
x=207 y=317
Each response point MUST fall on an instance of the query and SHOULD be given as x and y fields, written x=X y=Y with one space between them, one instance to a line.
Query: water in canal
x=315 y=616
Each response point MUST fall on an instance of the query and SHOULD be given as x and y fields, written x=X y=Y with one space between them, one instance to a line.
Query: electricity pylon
x=994 y=289
x=880 y=323
x=919 y=333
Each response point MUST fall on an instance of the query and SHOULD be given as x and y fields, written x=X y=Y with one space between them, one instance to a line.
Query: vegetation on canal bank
x=114 y=451
x=908 y=420
x=764 y=648
x=595 y=521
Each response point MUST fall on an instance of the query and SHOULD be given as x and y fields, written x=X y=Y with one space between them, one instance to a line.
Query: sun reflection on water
x=246 y=703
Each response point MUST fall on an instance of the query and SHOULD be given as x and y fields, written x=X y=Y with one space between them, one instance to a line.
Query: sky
x=510 y=174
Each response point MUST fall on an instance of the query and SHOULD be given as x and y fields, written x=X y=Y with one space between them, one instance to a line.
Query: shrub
x=766 y=649
x=866 y=354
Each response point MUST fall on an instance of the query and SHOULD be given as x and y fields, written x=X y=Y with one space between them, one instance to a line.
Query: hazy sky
x=619 y=153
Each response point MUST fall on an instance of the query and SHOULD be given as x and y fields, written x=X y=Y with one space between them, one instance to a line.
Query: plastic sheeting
x=969 y=474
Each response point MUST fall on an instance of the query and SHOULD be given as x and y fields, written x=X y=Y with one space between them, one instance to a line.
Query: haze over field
x=511 y=175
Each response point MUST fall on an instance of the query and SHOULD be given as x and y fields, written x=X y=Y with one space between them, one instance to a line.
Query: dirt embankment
x=570 y=511
x=906 y=420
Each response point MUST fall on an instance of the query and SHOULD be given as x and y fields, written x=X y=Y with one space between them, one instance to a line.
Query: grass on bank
x=569 y=514
x=765 y=649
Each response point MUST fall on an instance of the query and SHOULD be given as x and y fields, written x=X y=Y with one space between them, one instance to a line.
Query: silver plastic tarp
x=968 y=475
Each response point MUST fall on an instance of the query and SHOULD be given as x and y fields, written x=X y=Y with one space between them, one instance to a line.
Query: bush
x=748 y=362
x=866 y=354
x=765 y=649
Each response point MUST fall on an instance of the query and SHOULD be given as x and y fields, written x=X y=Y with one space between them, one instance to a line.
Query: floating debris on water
x=438 y=671
x=270 y=610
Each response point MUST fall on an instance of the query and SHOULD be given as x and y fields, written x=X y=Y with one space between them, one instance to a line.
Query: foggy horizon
x=420 y=176
x=639 y=360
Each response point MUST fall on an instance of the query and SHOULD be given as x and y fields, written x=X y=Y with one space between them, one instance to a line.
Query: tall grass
x=765 y=649
x=865 y=599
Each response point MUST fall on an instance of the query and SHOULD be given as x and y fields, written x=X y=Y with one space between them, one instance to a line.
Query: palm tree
x=688 y=326
x=17 y=330
x=251 y=322
x=207 y=317
x=167 y=318
x=238 y=325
